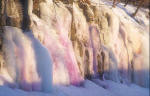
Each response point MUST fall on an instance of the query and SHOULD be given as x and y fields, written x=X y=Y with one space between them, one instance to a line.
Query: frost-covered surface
x=141 y=17
x=28 y=61
x=52 y=45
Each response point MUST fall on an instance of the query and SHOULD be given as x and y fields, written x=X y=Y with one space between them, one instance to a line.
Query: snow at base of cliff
x=88 y=88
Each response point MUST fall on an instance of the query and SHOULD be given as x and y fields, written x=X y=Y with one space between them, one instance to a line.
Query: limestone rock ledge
x=85 y=40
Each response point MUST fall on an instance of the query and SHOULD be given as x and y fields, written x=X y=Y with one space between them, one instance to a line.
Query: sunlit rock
x=77 y=40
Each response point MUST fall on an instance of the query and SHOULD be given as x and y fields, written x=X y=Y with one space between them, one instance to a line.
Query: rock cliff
x=84 y=39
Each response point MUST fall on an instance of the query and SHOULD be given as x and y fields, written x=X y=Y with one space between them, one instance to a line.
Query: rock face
x=83 y=41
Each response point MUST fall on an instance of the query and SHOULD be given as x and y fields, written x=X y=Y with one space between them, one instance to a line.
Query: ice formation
x=68 y=44
x=27 y=60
